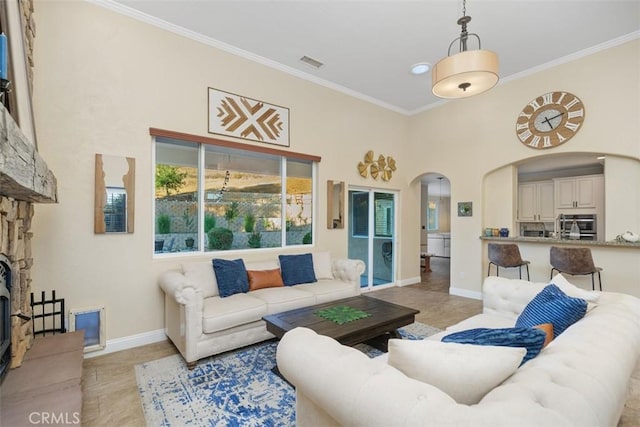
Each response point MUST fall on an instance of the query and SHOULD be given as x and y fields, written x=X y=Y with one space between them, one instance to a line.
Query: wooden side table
x=427 y=261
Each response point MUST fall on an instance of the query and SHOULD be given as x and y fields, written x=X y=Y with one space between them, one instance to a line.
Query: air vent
x=313 y=62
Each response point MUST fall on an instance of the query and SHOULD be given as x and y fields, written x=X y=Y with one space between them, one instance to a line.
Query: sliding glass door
x=371 y=234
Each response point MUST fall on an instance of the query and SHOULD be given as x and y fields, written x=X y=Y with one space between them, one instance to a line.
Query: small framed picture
x=465 y=209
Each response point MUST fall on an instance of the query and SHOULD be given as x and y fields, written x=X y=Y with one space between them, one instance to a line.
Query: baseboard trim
x=151 y=337
x=410 y=281
x=465 y=293
x=128 y=342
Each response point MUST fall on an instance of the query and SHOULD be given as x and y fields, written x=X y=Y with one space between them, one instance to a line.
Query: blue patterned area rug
x=236 y=388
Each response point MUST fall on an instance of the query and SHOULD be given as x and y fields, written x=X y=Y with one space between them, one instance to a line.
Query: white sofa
x=201 y=323
x=580 y=379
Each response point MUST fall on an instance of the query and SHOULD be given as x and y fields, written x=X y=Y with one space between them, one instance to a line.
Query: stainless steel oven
x=587 y=223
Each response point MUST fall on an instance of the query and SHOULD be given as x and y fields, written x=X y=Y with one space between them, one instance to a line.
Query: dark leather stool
x=574 y=261
x=506 y=255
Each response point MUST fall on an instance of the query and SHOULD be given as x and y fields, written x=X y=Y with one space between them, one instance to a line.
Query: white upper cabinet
x=536 y=201
x=582 y=192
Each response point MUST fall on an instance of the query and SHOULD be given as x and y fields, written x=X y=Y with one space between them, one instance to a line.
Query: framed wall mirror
x=335 y=204
x=114 y=199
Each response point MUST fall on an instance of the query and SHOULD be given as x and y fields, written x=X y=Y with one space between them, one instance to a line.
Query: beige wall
x=622 y=195
x=102 y=80
x=471 y=140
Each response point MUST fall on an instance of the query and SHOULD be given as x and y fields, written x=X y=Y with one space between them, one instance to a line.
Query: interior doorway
x=372 y=225
x=438 y=278
x=435 y=231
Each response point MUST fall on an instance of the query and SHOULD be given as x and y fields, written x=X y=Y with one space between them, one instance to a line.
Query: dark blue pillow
x=552 y=305
x=297 y=269
x=529 y=338
x=231 y=276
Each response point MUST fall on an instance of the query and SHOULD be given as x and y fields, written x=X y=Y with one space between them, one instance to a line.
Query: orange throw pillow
x=259 y=279
x=547 y=328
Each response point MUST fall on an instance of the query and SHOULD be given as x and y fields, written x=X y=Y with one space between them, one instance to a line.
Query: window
x=299 y=202
x=7 y=98
x=382 y=214
x=432 y=215
x=360 y=214
x=115 y=210
x=18 y=100
x=212 y=197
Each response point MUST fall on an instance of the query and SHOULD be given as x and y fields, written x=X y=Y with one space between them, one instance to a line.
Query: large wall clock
x=550 y=120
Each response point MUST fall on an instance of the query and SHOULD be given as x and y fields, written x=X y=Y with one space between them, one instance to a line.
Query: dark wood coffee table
x=376 y=329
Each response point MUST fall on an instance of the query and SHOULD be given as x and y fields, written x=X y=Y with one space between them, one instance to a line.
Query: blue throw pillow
x=231 y=276
x=529 y=338
x=297 y=269
x=552 y=305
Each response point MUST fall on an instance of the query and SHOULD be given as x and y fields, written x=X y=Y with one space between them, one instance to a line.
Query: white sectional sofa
x=201 y=323
x=580 y=379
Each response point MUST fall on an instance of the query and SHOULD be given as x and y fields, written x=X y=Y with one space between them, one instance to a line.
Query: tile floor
x=109 y=382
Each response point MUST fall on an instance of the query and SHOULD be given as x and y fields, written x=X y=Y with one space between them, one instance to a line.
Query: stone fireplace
x=15 y=250
x=25 y=180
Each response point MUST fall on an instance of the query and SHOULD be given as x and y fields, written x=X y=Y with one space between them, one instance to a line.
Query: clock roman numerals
x=534 y=104
x=574 y=114
x=525 y=135
x=571 y=103
x=562 y=95
x=572 y=126
x=535 y=141
x=550 y=120
x=547 y=98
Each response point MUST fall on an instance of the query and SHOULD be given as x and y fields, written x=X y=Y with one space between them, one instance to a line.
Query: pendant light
x=468 y=72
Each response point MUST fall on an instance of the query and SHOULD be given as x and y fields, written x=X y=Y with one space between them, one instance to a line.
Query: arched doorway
x=435 y=231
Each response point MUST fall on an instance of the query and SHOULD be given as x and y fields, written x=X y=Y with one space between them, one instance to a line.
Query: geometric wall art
x=247 y=118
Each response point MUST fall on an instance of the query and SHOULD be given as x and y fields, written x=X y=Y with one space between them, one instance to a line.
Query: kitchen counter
x=620 y=261
x=554 y=241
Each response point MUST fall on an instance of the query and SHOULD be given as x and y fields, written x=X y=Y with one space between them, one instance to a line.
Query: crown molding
x=574 y=56
x=135 y=14
x=143 y=17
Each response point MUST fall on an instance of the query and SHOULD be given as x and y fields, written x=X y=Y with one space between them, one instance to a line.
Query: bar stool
x=507 y=256
x=574 y=261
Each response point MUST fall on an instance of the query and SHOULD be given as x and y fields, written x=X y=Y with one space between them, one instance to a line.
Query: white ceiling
x=367 y=47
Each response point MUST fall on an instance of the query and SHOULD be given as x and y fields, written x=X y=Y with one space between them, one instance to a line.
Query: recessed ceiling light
x=420 y=68
x=310 y=61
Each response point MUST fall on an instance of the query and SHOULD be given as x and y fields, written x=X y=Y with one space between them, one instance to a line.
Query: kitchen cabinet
x=536 y=201
x=439 y=244
x=579 y=192
x=447 y=247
